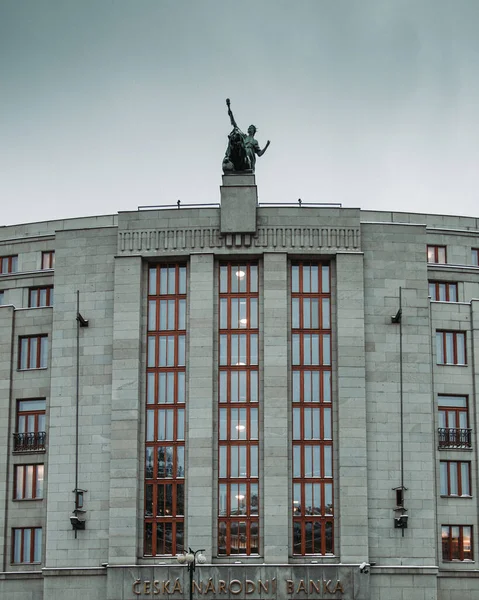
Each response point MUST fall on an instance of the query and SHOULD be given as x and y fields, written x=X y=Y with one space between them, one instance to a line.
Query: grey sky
x=110 y=104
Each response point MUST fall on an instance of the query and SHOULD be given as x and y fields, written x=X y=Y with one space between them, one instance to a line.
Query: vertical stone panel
x=125 y=468
x=199 y=443
x=276 y=484
x=84 y=262
x=6 y=324
x=350 y=446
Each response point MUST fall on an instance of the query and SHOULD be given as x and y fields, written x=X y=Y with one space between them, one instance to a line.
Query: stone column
x=125 y=464
x=6 y=357
x=350 y=446
x=275 y=409
x=199 y=443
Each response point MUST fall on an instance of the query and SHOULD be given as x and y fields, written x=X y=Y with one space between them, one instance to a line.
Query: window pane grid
x=164 y=507
x=455 y=478
x=451 y=348
x=26 y=545
x=238 y=433
x=28 y=483
x=457 y=542
x=48 y=259
x=8 y=264
x=436 y=254
x=311 y=407
x=443 y=291
x=32 y=352
x=40 y=297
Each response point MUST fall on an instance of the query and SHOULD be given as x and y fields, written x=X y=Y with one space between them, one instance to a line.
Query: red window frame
x=23 y=545
x=455 y=478
x=312 y=477
x=48 y=260
x=436 y=254
x=28 y=438
x=443 y=291
x=164 y=501
x=475 y=256
x=457 y=543
x=238 y=410
x=459 y=414
x=33 y=352
x=8 y=264
x=28 y=482
x=39 y=297
x=445 y=355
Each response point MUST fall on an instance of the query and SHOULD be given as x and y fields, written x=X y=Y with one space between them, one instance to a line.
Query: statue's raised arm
x=232 y=119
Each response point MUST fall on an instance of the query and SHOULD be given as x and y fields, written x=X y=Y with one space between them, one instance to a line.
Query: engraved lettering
x=135 y=587
x=274 y=585
x=165 y=589
x=210 y=586
x=263 y=586
x=222 y=587
x=301 y=587
x=338 y=587
x=156 y=587
x=317 y=587
x=326 y=587
x=289 y=586
x=249 y=586
x=177 y=586
x=146 y=587
x=197 y=586
x=236 y=590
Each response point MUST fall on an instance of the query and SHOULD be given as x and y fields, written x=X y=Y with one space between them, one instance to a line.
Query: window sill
x=456 y=497
x=33 y=369
x=27 y=499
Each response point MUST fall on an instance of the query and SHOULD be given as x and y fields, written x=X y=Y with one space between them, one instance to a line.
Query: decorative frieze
x=175 y=240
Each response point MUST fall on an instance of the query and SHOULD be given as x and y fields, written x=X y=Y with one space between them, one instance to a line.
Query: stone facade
x=386 y=387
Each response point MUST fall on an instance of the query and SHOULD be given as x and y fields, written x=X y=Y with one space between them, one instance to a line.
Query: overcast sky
x=110 y=104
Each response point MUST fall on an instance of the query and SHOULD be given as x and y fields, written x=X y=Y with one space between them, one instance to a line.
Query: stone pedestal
x=239 y=198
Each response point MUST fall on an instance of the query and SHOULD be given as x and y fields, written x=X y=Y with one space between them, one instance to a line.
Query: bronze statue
x=242 y=148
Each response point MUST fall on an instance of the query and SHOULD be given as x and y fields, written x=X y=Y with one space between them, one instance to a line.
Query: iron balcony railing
x=28 y=442
x=452 y=437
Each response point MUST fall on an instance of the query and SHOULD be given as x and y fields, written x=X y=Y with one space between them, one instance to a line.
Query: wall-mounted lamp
x=397 y=317
x=83 y=322
x=400 y=522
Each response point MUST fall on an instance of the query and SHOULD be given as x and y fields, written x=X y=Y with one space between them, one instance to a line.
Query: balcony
x=33 y=441
x=451 y=437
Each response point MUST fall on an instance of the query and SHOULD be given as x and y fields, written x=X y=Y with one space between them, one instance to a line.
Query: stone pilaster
x=275 y=409
x=199 y=443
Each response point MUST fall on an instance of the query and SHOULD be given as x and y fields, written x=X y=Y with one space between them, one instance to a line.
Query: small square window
x=455 y=478
x=457 y=542
x=48 y=259
x=40 y=296
x=451 y=348
x=28 y=482
x=443 y=291
x=436 y=254
x=33 y=352
x=26 y=545
x=8 y=264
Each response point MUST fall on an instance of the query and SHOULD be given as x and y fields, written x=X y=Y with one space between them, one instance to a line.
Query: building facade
x=289 y=389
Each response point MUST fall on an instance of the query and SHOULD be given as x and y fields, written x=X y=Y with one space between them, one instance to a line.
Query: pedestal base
x=239 y=198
